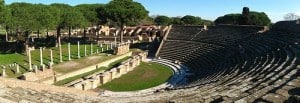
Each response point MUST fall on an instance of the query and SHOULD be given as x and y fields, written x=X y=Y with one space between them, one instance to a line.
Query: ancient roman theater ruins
x=209 y=62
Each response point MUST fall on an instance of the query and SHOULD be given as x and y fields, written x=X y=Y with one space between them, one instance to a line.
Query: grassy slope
x=145 y=76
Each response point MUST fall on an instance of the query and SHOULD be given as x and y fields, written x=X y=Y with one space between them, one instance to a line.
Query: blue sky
x=207 y=9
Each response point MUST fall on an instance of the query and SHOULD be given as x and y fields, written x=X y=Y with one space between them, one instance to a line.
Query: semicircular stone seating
x=235 y=63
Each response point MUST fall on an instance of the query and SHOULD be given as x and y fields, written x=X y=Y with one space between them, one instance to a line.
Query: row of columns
x=60 y=54
x=17 y=66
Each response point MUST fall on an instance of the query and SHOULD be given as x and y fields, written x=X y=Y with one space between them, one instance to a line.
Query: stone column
x=50 y=65
x=18 y=68
x=51 y=56
x=29 y=59
x=35 y=68
x=101 y=79
x=69 y=51
x=102 y=50
x=115 y=41
x=97 y=51
x=60 y=53
x=6 y=36
x=42 y=67
x=41 y=56
x=3 y=72
x=78 y=49
x=84 y=50
x=101 y=45
x=111 y=45
x=91 y=48
x=107 y=47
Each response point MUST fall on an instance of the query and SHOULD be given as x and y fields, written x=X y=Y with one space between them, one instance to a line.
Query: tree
x=68 y=17
x=259 y=18
x=228 y=19
x=291 y=16
x=93 y=13
x=191 y=20
x=125 y=12
x=23 y=21
x=2 y=11
x=162 y=20
x=247 y=18
x=176 y=20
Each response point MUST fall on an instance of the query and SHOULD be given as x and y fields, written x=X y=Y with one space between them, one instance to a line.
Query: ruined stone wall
x=121 y=49
x=86 y=69
x=99 y=79
x=14 y=83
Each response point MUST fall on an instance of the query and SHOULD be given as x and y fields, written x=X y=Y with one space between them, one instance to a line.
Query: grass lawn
x=22 y=60
x=111 y=65
x=145 y=76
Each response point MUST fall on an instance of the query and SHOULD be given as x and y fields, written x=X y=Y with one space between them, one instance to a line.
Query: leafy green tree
x=68 y=17
x=191 y=20
x=259 y=18
x=176 y=20
x=228 y=19
x=162 y=20
x=125 y=12
x=47 y=17
x=22 y=20
x=147 y=21
x=93 y=13
x=2 y=11
x=247 y=18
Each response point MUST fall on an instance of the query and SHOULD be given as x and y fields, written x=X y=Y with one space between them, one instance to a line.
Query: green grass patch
x=111 y=65
x=144 y=76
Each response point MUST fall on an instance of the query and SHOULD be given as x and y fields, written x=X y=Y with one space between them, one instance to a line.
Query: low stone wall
x=121 y=49
x=101 y=78
x=86 y=69
x=38 y=74
x=14 y=83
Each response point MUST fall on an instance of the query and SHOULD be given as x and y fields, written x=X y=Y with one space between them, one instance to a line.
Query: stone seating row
x=269 y=60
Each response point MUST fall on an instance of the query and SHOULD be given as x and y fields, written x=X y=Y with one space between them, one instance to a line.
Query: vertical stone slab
x=50 y=65
x=111 y=45
x=18 y=68
x=84 y=50
x=102 y=50
x=41 y=56
x=29 y=60
x=3 y=72
x=110 y=76
x=106 y=47
x=42 y=67
x=115 y=41
x=69 y=51
x=51 y=56
x=60 y=53
x=101 y=79
x=35 y=68
x=6 y=37
x=78 y=49
x=91 y=48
